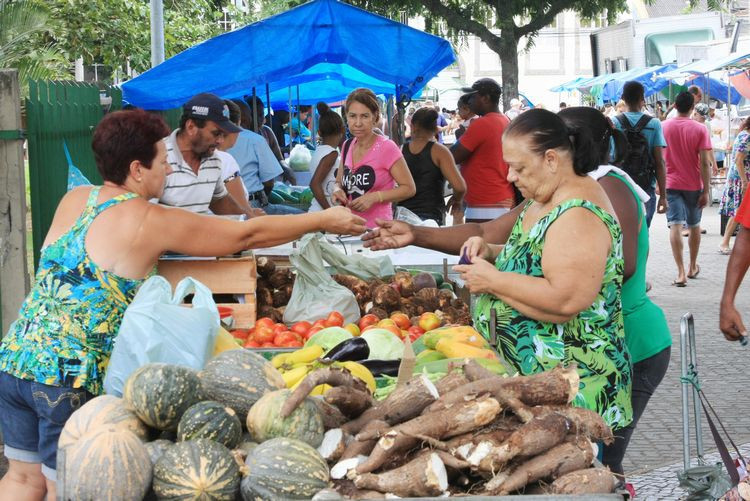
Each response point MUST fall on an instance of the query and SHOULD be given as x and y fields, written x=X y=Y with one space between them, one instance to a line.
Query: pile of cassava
x=470 y=433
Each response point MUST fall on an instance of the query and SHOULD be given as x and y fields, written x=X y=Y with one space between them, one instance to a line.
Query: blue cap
x=208 y=106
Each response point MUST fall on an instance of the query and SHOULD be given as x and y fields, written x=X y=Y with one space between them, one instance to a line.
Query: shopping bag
x=706 y=482
x=315 y=293
x=299 y=158
x=360 y=266
x=156 y=327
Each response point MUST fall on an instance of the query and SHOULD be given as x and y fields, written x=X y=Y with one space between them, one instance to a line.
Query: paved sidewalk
x=722 y=365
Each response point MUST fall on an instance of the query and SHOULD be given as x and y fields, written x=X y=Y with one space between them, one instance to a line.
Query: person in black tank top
x=431 y=164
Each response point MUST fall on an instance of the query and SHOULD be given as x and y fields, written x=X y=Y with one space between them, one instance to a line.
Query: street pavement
x=655 y=452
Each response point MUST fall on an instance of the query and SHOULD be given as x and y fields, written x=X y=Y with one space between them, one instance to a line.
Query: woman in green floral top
x=102 y=243
x=555 y=285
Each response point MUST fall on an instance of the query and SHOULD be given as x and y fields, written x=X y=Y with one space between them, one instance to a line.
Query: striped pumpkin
x=238 y=378
x=197 y=469
x=157 y=448
x=210 y=420
x=160 y=393
x=107 y=463
x=305 y=423
x=283 y=468
x=100 y=411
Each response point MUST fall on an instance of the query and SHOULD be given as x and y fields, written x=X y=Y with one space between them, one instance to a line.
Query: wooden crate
x=224 y=275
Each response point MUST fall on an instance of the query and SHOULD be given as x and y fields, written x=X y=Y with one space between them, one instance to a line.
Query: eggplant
x=382 y=367
x=350 y=350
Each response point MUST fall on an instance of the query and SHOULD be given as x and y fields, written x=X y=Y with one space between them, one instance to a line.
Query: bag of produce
x=158 y=328
x=360 y=266
x=299 y=158
x=314 y=290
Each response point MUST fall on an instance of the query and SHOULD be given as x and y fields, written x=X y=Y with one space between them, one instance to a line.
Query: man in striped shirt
x=195 y=183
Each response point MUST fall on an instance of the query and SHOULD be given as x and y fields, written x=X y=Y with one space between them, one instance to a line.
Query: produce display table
x=223 y=275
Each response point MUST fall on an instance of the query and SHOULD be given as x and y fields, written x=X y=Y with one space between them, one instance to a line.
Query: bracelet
x=380 y=196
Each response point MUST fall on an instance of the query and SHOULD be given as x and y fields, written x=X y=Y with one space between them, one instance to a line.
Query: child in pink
x=371 y=175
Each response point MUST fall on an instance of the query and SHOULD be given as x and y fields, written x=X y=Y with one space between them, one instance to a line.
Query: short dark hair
x=684 y=102
x=259 y=107
x=695 y=90
x=548 y=131
x=234 y=111
x=246 y=118
x=464 y=100
x=633 y=93
x=124 y=136
x=199 y=122
x=425 y=119
x=330 y=122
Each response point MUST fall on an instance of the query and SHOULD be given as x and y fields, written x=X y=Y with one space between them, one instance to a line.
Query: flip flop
x=679 y=284
x=695 y=275
x=724 y=252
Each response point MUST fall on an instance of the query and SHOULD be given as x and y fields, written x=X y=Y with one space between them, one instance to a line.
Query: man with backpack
x=644 y=161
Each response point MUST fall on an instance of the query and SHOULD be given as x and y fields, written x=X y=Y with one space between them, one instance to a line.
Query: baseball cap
x=486 y=86
x=208 y=106
x=702 y=109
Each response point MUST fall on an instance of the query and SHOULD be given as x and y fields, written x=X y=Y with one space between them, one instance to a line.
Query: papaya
x=429 y=356
x=224 y=341
x=456 y=349
x=463 y=334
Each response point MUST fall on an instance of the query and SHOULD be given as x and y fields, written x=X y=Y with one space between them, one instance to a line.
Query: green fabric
x=646 y=329
x=594 y=339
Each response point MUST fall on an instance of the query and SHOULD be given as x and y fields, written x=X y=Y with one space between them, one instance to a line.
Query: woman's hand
x=338 y=197
x=340 y=220
x=476 y=249
x=364 y=202
x=389 y=235
x=479 y=276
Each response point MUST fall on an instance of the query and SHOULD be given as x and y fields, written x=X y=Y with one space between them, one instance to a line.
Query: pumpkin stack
x=178 y=434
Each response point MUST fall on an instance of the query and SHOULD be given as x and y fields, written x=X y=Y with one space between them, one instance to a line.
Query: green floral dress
x=594 y=339
x=67 y=325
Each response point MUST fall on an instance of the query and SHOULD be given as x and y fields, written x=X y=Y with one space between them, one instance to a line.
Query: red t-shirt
x=743 y=213
x=685 y=139
x=485 y=172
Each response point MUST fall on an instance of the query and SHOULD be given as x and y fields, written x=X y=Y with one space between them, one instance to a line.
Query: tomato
x=320 y=324
x=264 y=334
x=353 y=329
x=239 y=333
x=415 y=332
x=279 y=328
x=387 y=322
x=291 y=344
x=301 y=328
x=313 y=330
x=429 y=321
x=268 y=345
x=393 y=328
x=401 y=320
x=367 y=320
x=265 y=321
x=334 y=319
x=251 y=343
x=286 y=337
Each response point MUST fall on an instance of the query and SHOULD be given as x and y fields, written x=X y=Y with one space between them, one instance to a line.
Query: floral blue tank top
x=66 y=326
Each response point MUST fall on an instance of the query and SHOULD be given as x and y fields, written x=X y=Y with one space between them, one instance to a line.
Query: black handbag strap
x=720 y=445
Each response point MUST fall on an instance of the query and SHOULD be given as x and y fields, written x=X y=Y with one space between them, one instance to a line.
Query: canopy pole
x=727 y=160
x=256 y=125
x=299 y=118
x=289 y=124
x=268 y=105
x=157 y=32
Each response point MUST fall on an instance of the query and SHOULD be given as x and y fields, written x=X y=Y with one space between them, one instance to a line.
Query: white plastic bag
x=157 y=328
x=315 y=293
x=299 y=158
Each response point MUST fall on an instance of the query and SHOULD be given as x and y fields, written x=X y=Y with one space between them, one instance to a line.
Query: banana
x=279 y=360
x=304 y=355
x=361 y=372
x=296 y=375
x=320 y=389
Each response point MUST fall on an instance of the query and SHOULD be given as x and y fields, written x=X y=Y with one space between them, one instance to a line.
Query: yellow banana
x=294 y=376
x=279 y=360
x=304 y=355
x=361 y=372
x=320 y=389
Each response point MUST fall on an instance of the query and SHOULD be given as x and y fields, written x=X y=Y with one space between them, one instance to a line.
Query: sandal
x=679 y=284
x=697 y=270
x=725 y=251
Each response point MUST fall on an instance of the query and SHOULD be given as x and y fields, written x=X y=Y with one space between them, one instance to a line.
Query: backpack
x=638 y=162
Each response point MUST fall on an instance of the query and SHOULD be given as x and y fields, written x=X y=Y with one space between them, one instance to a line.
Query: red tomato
x=393 y=328
x=251 y=343
x=312 y=331
x=367 y=321
x=265 y=321
x=334 y=319
x=239 y=333
x=268 y=345
x=401 y=320
x=301 y=328
x=279 y=328
x=321 y=324
x=264 y=334
x=415 y=332
x=292 y=344
x=286 y=337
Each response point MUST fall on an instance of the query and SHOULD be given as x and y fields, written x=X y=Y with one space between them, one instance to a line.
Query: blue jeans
x=651 y=205
x=682 y=208
x=32 y=415
x=276 y=209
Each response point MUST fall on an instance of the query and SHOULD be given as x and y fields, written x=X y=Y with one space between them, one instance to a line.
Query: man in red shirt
x=730 y=320
x=480 y=153
x=688 y=181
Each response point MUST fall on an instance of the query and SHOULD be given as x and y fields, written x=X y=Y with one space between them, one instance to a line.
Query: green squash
x=305 y=423
x=210 y=420
x=283 y=468
x=160 y=393
x=157 y=448
x=237 y=379
x=107 y=463
x=196 y=469
x=100 y=411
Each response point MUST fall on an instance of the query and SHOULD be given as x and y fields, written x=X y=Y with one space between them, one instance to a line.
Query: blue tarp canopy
x=716 y=89
x=612 y=90
x=324 y=46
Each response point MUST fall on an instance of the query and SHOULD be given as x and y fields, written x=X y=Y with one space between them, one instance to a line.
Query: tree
x=22 y=25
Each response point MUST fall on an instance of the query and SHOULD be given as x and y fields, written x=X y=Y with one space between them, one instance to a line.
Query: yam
x=405 y=283
x=264 y=297
x=350 y=401
x=359 y=287
x=429 y=296
x=386 y=297
x=364 y=447
x=265 y=266
x=269 y=311
x=586 y=481
x=445 y=297
x=333 y=445
x=331 y=376
x=424 y=476
x=585 y=421
x=280 y=278
x=280 y=298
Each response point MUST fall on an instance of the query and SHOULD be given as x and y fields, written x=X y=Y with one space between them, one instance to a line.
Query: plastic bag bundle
x=299 y=158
